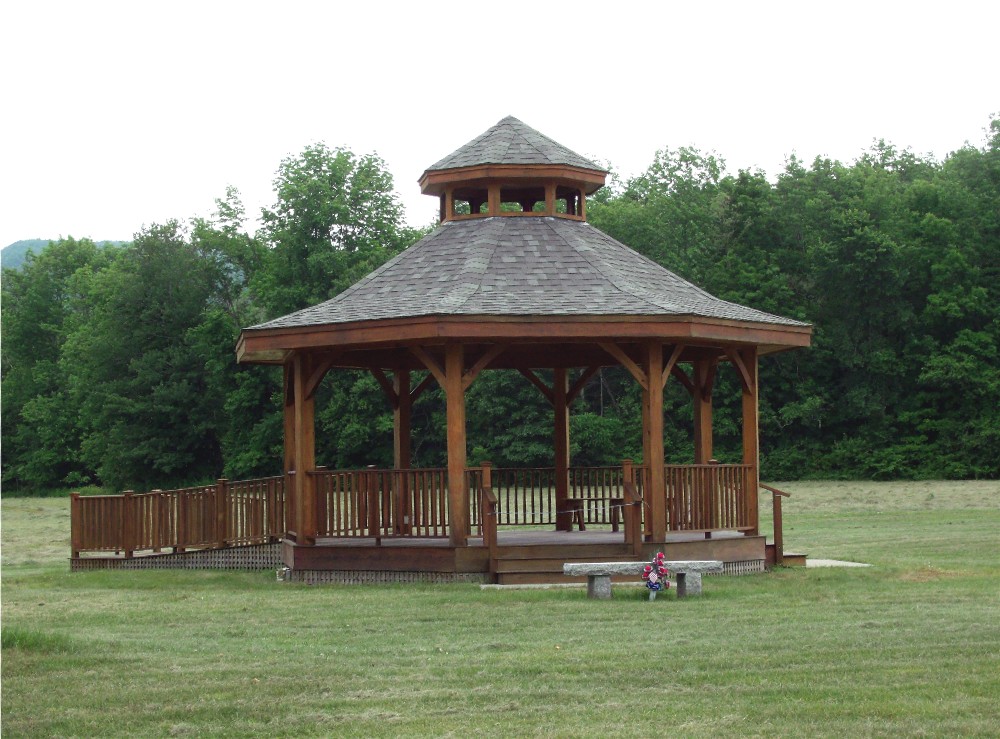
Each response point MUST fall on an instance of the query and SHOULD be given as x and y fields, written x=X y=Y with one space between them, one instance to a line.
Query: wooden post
x=564 y=517
x=656 y=494
x=75 y=525
x=751 y=439
x=704 y=373
x=305 y=452
x=401 y=449
x=458 y=495
x=779 y=536
x=493 y=201
x=157 y=514
x=290 y=507
x=550 y=199
x=128 y=525
x=221 y=511
x=487 y=475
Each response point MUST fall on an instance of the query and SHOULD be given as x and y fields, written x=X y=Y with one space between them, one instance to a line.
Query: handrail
x=779 y=542
x=488 y=524
x=203 y=516
x=633 y=517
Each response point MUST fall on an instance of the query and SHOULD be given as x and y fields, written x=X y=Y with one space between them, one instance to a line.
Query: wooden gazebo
x=514 y=278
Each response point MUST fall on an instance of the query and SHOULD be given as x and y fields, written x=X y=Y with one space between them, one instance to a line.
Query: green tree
x=40 y=439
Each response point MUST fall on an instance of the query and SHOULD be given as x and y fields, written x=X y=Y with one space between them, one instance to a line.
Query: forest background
x=118 y=363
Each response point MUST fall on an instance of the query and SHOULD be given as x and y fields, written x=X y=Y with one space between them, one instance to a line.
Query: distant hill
x=13 y=256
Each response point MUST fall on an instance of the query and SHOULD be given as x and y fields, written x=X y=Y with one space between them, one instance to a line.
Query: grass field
x=908 y=647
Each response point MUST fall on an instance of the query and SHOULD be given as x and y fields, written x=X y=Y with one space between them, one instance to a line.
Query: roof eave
x=273 y=346
x=435 y=181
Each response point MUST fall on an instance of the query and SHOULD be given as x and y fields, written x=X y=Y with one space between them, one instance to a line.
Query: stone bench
x=599 y=574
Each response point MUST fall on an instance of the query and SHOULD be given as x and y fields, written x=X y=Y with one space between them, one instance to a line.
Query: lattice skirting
x=250 y=557
x=745 y=567
x=374 y=577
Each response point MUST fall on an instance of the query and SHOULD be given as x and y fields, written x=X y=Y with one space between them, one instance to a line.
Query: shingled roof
x=512 y=142
x=520 y=267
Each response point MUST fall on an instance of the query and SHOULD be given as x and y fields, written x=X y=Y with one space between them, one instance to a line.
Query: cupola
x=512 y=170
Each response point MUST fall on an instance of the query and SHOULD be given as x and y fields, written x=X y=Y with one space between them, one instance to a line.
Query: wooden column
x=305 y=451
x=751 y=438
x=401 y=437
x=401 y=446
x=291 y=507
x=560 y=444
x=458 y=495
x=704 y=377
x=656 y=494
x=493 y=199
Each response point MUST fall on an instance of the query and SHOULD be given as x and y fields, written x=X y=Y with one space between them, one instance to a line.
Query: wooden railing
x=710 y=497
x=226 y=513
x=778 y=526
x=527 y=496
x=407 y=503
x=380 y=503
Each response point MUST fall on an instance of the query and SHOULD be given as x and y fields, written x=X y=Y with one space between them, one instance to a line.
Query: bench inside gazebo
x=513 y=279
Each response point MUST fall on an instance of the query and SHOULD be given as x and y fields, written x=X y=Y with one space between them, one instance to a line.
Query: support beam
x=288 y=409
x=386 y=385
x=577 y=387
x=316 y=376
x=704 y=379
x=751 y=439
x=740 y=364
x=656 y=496
x=482 y=363
x=401 y=415
x=560 y=404
x=421 y=386
x=428 y=361
x=305 y=450
x=536 y=381
x=626 y=361
x=401 y=449
x=682 y=377
x=458 y=495
x=671 y=363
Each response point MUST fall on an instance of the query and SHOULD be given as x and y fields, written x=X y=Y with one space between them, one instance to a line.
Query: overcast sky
x=117 y=115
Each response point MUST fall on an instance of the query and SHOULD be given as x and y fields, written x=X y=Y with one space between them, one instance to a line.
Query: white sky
x=120 y=114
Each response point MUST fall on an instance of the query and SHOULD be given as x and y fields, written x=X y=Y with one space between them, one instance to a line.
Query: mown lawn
x=910 y=646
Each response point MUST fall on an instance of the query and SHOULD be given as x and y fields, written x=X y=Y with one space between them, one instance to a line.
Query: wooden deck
x=522 y=556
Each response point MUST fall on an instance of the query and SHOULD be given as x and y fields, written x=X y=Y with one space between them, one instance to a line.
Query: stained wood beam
x=706 y=382
x=741 y=367
x=482 y=363
x=534 y=379
x=316 y=377
x=428 y=361
x=625 y=361
x=581 y=381
x=671 y=363
x=421 y=386
x=387 y=387
x=683 y=378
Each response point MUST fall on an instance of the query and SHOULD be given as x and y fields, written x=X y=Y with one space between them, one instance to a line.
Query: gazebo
x=514 y=278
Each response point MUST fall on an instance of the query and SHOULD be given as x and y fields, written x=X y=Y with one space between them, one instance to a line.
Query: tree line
x=118 y=364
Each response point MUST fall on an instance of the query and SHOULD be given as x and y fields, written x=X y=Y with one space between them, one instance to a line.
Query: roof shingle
x=536 y=266
x=512 y=142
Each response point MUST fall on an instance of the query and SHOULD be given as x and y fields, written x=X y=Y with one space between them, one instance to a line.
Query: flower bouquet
x=655 y=574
